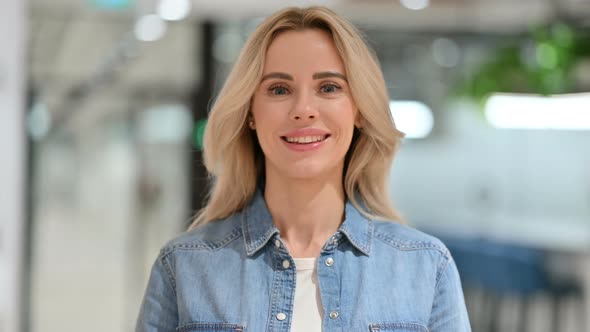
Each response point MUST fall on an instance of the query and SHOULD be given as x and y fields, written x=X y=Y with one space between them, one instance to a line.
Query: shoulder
x=403 y=237
x=419 y=251
x=211 y=236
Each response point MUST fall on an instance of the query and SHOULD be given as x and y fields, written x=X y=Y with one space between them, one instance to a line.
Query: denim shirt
x=235 y=274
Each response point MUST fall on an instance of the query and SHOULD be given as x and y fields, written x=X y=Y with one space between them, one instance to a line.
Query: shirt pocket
x=210 y=327
x=398 y=327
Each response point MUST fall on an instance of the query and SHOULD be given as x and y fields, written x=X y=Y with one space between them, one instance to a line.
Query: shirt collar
x=258 y=227
x=257 y=224
x=357 y=228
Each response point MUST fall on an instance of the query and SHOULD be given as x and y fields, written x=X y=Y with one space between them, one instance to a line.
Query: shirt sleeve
x=159 y=310
x=449 y=313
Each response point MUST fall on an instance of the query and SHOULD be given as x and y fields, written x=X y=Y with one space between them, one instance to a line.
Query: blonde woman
x=299 y=233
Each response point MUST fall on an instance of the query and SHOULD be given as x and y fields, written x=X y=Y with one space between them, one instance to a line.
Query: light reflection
x=150 y=28
x=39 y=121
x=165 y=124
x=415 y=4
x=174 y=10
x=560 y=112
x=413 y=118
x=445 y=52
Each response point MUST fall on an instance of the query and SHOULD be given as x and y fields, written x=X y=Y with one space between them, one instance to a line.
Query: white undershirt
x=307 y=311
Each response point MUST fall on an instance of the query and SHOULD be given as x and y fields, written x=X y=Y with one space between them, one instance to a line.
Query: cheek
x=344 y=116
x=347 y=125
x=267 y=123
x=267 y=112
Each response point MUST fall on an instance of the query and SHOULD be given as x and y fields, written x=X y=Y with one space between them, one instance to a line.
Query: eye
x=278 y=90
x=329 y=88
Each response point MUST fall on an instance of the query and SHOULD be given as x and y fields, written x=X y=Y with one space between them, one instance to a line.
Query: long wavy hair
x=234 y=159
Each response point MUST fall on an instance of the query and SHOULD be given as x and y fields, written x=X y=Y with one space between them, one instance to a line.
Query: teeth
x=305 y=139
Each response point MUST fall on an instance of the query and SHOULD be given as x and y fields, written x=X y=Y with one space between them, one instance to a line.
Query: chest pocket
x=398 y=327
x=210 y=327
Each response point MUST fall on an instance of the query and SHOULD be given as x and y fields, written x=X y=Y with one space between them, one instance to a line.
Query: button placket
x=329 y=278
x=283 y=287
x=329 y=261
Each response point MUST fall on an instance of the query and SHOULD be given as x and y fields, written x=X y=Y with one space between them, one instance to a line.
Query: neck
x=306 y=212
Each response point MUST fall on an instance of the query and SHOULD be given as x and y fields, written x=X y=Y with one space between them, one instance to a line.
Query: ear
x=250 y=118
x=250 y=121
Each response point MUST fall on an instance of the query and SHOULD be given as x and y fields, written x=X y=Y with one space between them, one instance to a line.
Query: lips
x=305 y=139
x=305 y=135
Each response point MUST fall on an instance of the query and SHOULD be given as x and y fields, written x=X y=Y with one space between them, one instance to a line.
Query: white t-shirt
x=307 y=311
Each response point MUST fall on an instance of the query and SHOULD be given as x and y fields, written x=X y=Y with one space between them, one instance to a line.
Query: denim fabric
x=236 y=275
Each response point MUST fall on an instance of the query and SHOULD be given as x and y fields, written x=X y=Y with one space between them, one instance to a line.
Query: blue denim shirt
x=236 y=275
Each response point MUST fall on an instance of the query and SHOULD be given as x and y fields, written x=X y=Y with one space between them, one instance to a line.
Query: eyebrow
x=315 y=76
x=325 y=74
x=277 y=75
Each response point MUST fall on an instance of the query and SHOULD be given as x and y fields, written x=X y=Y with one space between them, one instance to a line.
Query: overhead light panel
x=415 y=4
x=520 y=111
x=174 y=10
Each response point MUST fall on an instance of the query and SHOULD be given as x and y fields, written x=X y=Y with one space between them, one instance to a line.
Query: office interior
x=102 y=110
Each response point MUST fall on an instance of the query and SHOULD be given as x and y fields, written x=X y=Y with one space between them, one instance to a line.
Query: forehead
x=303 y=50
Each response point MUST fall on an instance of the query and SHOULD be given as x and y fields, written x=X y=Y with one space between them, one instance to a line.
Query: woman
x=298 y=233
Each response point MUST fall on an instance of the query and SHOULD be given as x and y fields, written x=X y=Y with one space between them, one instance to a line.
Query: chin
x=309 y=171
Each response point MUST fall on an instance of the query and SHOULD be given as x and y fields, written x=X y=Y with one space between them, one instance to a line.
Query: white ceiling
x=70 y=40
x=69 y=37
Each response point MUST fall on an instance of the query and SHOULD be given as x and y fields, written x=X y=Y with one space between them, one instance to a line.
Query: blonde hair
x=232 y=155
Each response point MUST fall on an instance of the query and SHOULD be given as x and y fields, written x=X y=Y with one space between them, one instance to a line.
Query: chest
x=357 y=293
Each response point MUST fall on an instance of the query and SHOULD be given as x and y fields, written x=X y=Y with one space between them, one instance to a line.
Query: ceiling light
x=415 y=4
x=413 y=118
x=174 y=10
x=518 y=111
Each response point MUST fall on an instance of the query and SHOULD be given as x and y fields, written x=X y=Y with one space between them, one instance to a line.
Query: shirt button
x=277 y=243
x=282 y=316
x=286 y=264
x=334 y=240
x=329 y=261
x=334 y=314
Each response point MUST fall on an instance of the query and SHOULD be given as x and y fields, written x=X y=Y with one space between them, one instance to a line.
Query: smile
x=305 y=139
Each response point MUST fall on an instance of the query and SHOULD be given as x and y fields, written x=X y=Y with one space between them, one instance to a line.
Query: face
x=303 y=111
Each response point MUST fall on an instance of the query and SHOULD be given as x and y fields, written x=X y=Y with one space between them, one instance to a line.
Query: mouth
x=303 y=140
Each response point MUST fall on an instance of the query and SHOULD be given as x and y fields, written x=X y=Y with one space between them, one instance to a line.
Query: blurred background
x=103 y=104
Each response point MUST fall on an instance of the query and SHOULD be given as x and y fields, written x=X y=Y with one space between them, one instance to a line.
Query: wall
x=518 y=184
x=12 y=165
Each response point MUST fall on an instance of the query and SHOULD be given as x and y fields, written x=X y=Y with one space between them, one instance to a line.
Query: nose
x=304 y=108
